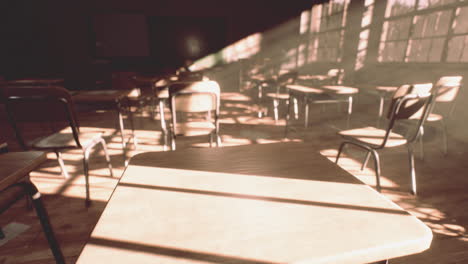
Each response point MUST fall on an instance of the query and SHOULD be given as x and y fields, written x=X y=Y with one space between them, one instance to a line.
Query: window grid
x=435 y=34
x=326 y=31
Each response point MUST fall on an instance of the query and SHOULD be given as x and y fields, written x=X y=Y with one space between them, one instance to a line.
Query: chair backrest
x=410 y=102
x=189 y=76
x=48 y=108
x=448 y=88
x=287 y=78
x=194 y=97
x=333 y=72
x=334 y=75
x=201 y=96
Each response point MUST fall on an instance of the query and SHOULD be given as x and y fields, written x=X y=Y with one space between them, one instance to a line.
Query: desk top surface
x=100 y=95
x=273 y=203
x=15 y=165
x=378 y=89
x=39 y=81
x=327 y=89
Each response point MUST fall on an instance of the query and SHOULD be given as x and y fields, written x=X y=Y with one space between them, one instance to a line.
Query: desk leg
x=381 y=106
x=161 y=114
x=296 y=109
x=43 y=216
x=291 y=98
x=306 y=114
x=121 y=127
x=259 y=96
x=350 y=110
x=132 y=127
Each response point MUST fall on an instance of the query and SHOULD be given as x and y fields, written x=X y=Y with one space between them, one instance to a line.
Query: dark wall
x=57 y=38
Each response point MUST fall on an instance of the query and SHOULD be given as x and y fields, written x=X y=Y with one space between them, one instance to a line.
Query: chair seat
x=65 y=140
x=278 y=96
x=17 y=165
x=304 y=89
x=373 y=136
x=163 y=93
x=194 y=128
x=434 y=117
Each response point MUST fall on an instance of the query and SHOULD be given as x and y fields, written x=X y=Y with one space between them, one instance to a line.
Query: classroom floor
x=442 y=201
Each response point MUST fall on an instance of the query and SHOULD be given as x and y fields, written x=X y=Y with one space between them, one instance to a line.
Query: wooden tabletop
x=35 y=81
x=15 y=165
x=340 y=89
x=273 y=203
x=382 y=90
x=100 y=96
x=327 y=89
x=304 y=89
x=313 y=77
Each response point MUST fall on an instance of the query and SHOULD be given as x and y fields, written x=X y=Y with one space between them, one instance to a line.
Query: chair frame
x=279 y=84
x=176 y=91
x=73 y=124
x=450 y=85
x=399 y=102
x=29 y=189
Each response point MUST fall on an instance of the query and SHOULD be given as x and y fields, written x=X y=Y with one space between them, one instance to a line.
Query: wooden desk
x=383 y=92
x=15 y=168
x=117 y=99
x=273 y=203
x=36 y=82
x=320 y=95
x=16 y=165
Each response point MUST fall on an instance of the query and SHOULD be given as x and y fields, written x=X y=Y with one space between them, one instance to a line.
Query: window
x=424 y=31
x=322 y=29
x=364 y=34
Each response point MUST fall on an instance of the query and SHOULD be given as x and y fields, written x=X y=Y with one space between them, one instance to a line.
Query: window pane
x=397 y=29
x=464 y=57
x=338 y=5
x=437 y=46
x=460 y=24
x=435 y=24
x=367 y=16
x=392 y=51
x=399 y=7
x=433 y=3
x=418 y=49
x=455 y=48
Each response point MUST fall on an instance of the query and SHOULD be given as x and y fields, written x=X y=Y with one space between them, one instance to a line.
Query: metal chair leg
x=275 y=109
x=218 y=140
x=106 y=153
x=421 y=142
x=339 y=151
x=173 y=143
x=161 y=115
x=121 y=127
x=259 y=97
x=377 y=170
x=296 y=109
x=211 y=140
x=287 y=116
x=444 y=136
x=306 y=112
x=364 y=164
x=350 y=110
x=132 y=127
x=86 y=174
x=62 y=165
x=43 y=216
x=381 y=106
x=412 y=170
